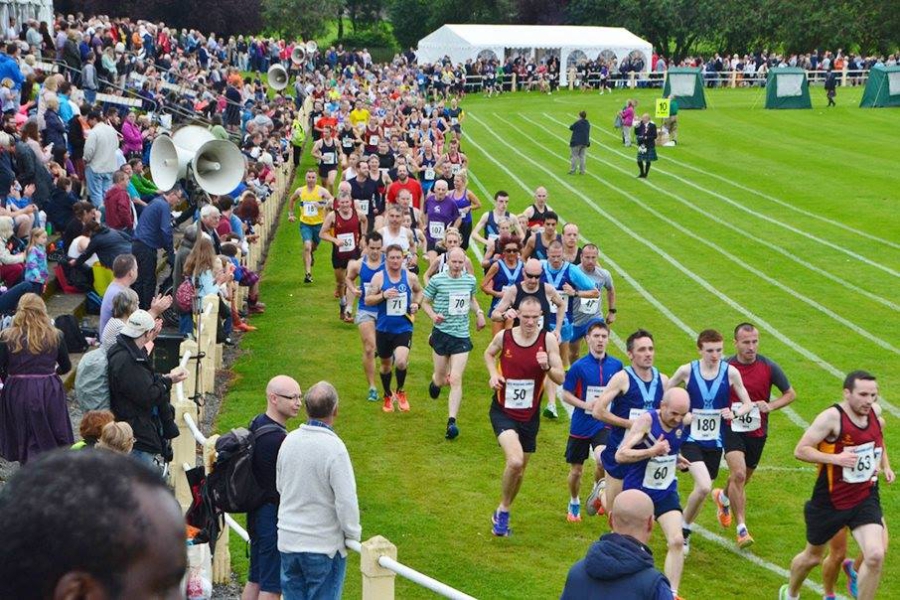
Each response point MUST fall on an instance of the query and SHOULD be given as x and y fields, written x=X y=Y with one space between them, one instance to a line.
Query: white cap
x=139 y=323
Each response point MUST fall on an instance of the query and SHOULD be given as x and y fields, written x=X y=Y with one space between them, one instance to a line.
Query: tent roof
x=533 y=36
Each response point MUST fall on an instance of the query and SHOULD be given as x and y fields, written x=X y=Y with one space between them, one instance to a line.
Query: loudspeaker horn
x=164 y=162
x=298 y=54
x=218 y=167
x=311 y=47
x=278 y=77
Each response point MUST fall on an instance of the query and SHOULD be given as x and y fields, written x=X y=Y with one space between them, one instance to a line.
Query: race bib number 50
x=519 y=394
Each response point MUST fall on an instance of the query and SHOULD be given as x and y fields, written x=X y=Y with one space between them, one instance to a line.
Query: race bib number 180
x=706 y=425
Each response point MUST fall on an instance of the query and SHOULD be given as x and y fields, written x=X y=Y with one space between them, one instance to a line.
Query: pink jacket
x=628 y=116
x=131 y=138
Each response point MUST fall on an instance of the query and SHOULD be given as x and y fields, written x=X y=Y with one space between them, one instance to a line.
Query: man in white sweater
x=318 y=508
x=100 y=155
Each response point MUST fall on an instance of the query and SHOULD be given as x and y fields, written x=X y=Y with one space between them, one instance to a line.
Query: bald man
x=650 y=455
x=269 y=430
x=620 y=564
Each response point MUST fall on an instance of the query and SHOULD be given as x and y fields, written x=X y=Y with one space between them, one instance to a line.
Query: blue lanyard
x=318 y=423
x=647 y=391
x=708 y=393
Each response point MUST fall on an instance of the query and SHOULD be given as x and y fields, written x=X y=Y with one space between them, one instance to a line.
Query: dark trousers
x=145 y=284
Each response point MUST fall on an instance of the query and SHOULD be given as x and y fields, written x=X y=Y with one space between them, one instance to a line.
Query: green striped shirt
x=452 y=297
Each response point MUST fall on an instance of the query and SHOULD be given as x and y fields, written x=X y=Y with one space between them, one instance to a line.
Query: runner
x=629 y=394
x=709 y=382
x=414 y=217
x=466 y=201
x=493 y=251
x=584 y=384
x=589 y=310
x=315 y=201
x=503 y=274
x=452 y=239
x=526 y=356
x=539 y=242
x=426 y=161
x=537 y=212
x=649 y=454
x=397 y=293
x=531 y=285
x=571 y=250
x=843 y=441
x=343 y=228
x=327 y=152
x=394 y=233
x=364 y=191
x=441 y=212
x=489 y=223
x=452 y=294
x=746 y=437
x=365 y=268
x=569 y=282
x=456 y=159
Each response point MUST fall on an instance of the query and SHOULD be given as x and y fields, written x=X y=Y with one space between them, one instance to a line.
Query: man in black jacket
x=581 y=140
x=138 y=395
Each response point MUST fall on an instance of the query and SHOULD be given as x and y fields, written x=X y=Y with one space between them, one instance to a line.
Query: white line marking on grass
x=768 y=197
x=760 y=562
x=795 y=418
x=671 y=260
x=842 y=282
x=737 y=261
x=761 y=216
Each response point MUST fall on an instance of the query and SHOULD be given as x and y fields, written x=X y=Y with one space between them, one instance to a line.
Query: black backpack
x=75 y=341
x=232 y=485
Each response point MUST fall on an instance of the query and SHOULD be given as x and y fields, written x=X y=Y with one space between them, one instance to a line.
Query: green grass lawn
x=783 y=218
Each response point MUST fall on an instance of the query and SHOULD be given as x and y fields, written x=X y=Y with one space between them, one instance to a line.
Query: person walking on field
x=581 y=140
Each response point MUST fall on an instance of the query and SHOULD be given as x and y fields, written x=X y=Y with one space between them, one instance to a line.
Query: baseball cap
x=139 y=323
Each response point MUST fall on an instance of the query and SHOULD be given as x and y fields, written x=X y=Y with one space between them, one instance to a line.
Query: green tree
x=411 y=20
x=299 y=18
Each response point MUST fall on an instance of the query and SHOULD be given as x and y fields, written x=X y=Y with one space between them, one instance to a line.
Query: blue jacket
x=617 y=566
x=154 y=228
x=10 y=68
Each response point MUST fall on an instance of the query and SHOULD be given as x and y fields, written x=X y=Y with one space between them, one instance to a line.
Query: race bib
x=454 y=121
x=328 y=158
x=459 y=303
x=660 y=472
x=591 y=395
x=347 y=242
x=455 y=169
x=363 y=206
x=436 y=230
x=429 y=174
x=310 y=209
x=493 y=236
x=749 y=422
x=635 y=413
x=347 y=143
x=706 y=425
x=589 y=306
x=373 y=140
x=519 y=394
x=396 y=307
x=865 y=466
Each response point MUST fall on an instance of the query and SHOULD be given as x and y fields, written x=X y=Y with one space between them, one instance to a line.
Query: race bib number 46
x=660 y=472
x=519 y=394
x=865 y=466
x=749 y=422
x=706 y=426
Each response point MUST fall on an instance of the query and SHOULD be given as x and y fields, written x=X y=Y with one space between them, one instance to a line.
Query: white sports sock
x=741 y=527
x=576 y=501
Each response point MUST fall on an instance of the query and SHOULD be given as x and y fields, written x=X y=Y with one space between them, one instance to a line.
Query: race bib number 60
x=660 y=472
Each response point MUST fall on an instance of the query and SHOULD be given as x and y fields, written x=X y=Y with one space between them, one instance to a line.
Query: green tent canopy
x=687 y=86
x=787 y=87
x=882 y=88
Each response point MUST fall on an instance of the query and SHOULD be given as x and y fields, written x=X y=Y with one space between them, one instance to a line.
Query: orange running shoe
x=388 y=404
x=402 y=401
x=723 y=507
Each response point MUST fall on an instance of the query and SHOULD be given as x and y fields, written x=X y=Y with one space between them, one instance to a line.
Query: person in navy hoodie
x=620 y=565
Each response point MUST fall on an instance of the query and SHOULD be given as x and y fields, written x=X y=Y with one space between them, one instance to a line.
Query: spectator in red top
x=405 y=182
x=117 y=203
x=225 y=204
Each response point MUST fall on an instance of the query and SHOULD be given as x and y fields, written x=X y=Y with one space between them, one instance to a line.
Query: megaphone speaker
x=298 y=54
x=218 y=167
x=164 y=163
x=278 y=77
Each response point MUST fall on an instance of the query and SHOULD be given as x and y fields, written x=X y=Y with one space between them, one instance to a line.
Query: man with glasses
x=531 y=286
x=449 y=298
x=503 y=274
x=269 y=430
x=518 y=361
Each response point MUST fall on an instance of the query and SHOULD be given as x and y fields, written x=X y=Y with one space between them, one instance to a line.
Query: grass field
x=783 y=218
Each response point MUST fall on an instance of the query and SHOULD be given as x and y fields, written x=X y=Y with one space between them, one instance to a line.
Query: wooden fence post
x=184 y=449
x=377 y=582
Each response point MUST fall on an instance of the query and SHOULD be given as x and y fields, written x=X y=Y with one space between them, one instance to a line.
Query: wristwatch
x=612 y=310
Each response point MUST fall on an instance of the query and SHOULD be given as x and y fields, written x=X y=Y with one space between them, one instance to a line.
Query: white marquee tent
x=570 y=43
x=22 y=10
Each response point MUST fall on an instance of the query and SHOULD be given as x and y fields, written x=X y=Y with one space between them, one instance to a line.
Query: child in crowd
x=36 y=272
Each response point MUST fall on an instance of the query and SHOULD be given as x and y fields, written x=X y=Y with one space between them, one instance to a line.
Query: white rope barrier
x=423 y=580
x=194 y=429
x=179 y=387
x=235 y=527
